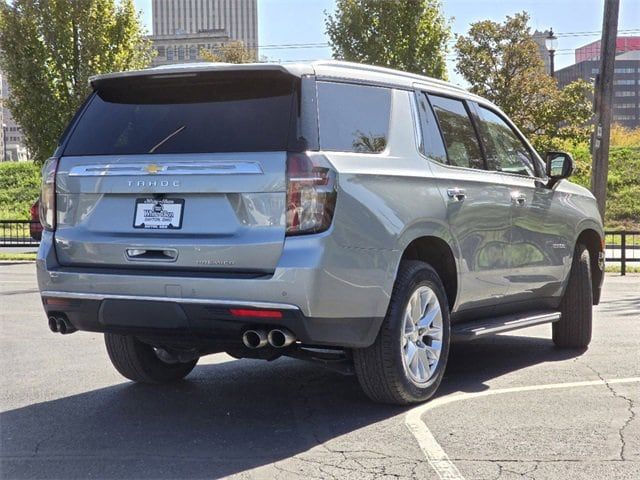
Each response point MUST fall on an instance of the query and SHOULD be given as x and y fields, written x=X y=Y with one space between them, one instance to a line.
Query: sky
x=576 y=22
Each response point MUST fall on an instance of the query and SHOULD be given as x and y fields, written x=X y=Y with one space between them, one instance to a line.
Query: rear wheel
x=140 y=362
x=573 y=330
x=406 y=362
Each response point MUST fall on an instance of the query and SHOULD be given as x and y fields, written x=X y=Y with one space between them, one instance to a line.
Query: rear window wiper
x=167 y=138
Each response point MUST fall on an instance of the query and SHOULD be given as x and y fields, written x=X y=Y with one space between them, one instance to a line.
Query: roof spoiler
x=193 y=69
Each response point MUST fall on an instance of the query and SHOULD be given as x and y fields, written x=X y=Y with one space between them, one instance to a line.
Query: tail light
x=48 y=194
x=311 y=194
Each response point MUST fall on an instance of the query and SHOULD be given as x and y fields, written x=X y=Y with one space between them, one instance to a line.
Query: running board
x=506 y=323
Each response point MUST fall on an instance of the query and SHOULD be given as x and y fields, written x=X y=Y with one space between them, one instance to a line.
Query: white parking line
x=436 y=456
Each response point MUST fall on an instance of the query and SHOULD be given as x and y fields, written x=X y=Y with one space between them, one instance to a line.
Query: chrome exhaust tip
x=254 y=339
x=53 y=324
x=280 y=338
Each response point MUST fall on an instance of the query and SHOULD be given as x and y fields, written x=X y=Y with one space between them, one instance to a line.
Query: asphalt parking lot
x=509 y=407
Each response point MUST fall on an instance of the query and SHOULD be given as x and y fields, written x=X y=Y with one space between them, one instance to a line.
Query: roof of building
x=630 y=55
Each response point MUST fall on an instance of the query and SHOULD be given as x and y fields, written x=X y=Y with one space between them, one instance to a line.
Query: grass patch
x=18 y=256
x=617 y=269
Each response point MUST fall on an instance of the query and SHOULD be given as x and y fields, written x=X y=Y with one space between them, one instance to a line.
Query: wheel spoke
x=425 y=299
x=424 y=364
x=433 y=353
x=429 y=317
x=412 y=350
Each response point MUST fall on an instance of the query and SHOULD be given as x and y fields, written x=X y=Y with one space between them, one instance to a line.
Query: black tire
x=573 y=330
x=138 y=361
x=379 y=368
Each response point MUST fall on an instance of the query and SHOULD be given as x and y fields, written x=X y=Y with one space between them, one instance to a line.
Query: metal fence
x=18 y=233
x=622 y=247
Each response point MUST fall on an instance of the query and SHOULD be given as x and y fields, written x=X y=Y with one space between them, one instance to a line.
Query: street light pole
x=551 y=42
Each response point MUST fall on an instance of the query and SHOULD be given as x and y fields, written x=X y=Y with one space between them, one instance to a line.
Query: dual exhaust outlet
x=277 y=338
x=61 y=324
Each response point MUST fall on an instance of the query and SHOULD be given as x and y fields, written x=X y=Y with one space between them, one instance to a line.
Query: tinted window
x=463 y=149
x=432 y=143
x=186 y=116
x=353 y=118
x=505 y=151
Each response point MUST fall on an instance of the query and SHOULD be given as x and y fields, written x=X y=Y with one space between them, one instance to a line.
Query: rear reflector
x=57 y=301
x=244 y=312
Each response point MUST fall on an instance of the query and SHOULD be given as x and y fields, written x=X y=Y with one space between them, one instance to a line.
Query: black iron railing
x=623 y=247
x=19 y=233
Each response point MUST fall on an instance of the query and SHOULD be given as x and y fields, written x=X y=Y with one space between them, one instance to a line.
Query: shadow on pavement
x=224 y=419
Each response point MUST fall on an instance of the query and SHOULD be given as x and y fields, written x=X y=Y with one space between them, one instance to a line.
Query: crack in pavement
x=630 y=409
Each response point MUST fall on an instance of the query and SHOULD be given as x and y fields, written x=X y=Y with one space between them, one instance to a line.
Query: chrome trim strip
x=104 y=296
x=165 y=168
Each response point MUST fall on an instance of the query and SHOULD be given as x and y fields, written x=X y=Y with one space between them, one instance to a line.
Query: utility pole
x=603 y=100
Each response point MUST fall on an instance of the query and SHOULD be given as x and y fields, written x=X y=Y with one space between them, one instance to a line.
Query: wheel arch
x=594 y=242
x=438 y=253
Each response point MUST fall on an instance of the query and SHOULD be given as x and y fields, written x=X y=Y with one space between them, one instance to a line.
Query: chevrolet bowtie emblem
x=153 y=168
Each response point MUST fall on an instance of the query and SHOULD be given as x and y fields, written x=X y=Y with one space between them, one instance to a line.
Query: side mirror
x=559 y=165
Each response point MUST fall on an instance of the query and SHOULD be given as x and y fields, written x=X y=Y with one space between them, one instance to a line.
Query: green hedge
x=19 y=188
x=623 y=183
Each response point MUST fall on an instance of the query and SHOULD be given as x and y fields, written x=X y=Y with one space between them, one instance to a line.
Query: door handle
x=519 y=199
x=456 y=194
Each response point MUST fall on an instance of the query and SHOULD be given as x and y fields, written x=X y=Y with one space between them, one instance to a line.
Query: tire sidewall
x=427 y=277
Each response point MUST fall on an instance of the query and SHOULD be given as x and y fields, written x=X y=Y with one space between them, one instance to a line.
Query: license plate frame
x=153 y=214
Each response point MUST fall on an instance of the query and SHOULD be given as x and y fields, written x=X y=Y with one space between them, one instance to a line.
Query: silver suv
x=353 y=215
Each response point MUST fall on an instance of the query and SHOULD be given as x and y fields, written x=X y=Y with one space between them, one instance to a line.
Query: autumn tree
x=408 y=35
x=231 y=52
x=502 y=63
x=48 y=50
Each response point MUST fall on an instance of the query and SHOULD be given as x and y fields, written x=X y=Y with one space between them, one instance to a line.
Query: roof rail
x=372 y=68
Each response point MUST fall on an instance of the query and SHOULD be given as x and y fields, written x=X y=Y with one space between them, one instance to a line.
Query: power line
x=311 y=45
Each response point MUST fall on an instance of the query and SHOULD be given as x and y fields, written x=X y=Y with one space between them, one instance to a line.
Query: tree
x=232 y=52
x=49 y=48
x=409 y=35
x=502 y=64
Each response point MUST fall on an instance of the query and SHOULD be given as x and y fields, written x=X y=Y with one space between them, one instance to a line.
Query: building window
x=193 y=53
x=625 y=105
x=180 y=53
x=625 y=93
x=624 y=117
x=624 y=70
x=625 y=81
x=595 y=70
x=161 y=51
x=170 y=53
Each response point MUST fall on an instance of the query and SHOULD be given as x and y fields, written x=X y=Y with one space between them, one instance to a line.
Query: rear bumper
x=329 y=295
x=201 y=322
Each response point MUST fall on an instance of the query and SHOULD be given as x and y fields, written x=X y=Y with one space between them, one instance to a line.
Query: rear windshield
x=202 y=114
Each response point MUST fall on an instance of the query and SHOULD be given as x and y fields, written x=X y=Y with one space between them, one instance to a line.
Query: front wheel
x=406 y=362
x=140 y=362
x=573 y=330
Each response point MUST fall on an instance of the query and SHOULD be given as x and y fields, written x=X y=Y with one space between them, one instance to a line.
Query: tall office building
x=12 y=141
x=181 y=28
x=626 y=77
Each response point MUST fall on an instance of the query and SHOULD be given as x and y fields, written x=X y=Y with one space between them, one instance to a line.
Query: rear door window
x=353 y=118
x=205 y=114
x=463 y=148
x=505 y=151
x=432 y=142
